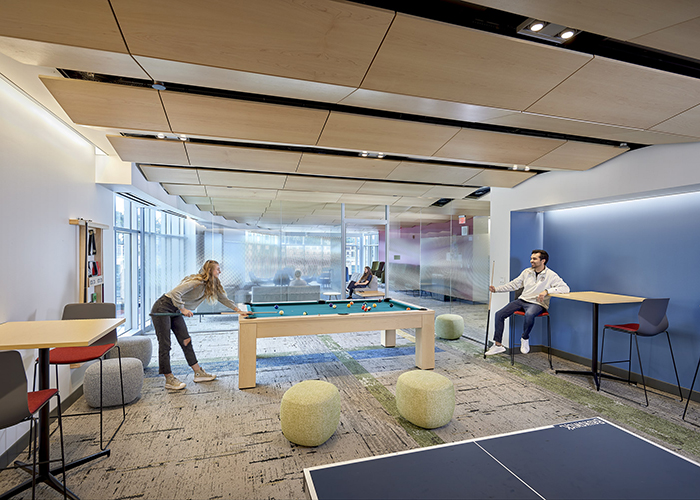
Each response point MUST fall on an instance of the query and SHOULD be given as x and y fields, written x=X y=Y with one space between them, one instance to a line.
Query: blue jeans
x=163 y=325
x=531 y=312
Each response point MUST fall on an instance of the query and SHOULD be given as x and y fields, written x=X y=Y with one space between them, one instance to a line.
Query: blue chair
x=652 y=321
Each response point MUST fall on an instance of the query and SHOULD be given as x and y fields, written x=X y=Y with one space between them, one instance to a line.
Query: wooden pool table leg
x=389 y=338
x=247 y=355
x=425 y=344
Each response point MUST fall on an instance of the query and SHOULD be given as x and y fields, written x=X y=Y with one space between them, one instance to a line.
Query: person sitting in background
x=297 y=281
x=361 y=283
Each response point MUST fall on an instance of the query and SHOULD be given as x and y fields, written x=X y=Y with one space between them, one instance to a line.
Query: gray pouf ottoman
x=112 y=393
x=425 y=398
x=310 y=412
x=449 y=326
x=138 y=347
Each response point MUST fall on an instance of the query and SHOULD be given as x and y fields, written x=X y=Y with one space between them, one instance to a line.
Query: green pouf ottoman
x=449 y=326
x=425 y=398
x=310 y=412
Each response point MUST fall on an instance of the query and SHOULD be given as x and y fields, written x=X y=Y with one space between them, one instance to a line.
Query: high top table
x=595 y=298
x=44 y=335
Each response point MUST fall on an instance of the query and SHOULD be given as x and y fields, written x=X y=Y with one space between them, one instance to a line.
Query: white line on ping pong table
x=506 y=468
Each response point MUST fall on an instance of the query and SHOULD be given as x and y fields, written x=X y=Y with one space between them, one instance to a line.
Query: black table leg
x=593 y=372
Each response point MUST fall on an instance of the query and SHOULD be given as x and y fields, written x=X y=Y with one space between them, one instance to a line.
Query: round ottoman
x=138 y=347
x=449 y=326
x=310 y=412
x=111 y=386
x=425 y=398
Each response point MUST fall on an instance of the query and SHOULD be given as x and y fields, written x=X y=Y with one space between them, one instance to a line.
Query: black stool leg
x=641 y=369
x=678 y=381
x=691 y=389
x=549 y=342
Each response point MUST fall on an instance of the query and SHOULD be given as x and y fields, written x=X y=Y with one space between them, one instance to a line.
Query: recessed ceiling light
x=183 y=137
x=514 y=167
x=527 y=169
x=536 y=26
x=566 y=34
x=161 y=136
x=364 y=153
x=380 y=155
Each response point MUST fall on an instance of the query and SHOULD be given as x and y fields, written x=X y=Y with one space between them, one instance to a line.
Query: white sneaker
x=495 y=349
x=202 y=376
x=524 y=346
x=171 y=382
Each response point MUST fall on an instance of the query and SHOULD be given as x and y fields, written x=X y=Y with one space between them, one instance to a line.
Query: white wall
x=47 y=176
x=650 y=171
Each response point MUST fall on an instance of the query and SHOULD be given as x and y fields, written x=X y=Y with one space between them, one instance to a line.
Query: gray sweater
x=190 y=294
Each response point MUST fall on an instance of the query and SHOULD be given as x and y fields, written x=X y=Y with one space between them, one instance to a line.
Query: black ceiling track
x=496 y=21
x=377 y=113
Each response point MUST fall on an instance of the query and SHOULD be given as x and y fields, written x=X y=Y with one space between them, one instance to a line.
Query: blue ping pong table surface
x=586 y=459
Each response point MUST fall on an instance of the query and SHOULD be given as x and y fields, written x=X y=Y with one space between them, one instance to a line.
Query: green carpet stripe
x=423 y=437
x=674 y=434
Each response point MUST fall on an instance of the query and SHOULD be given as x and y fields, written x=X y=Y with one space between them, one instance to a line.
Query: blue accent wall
x=648 y=248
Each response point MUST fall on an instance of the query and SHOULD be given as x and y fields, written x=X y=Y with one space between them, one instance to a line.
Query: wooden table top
x=599 y=297
x=55 y=333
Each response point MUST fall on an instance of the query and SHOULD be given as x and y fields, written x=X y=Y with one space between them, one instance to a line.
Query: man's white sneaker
x=202 y=376
x=171 y=382
x=524 y=346
x=495 y=349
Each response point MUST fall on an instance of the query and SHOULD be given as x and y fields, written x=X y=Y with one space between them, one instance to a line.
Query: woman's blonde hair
x=212 y=285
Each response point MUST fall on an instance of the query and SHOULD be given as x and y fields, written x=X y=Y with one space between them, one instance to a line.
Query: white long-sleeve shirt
x=190 y=294
x=533 y=285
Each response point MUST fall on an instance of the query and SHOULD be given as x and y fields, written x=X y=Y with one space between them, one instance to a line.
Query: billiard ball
x=374 y=305
x=331 y=305
x=408 y=308
x=334 y=306
x=304 y=313
x=349 y=304
x=391 y=305
x=277 y=307
x=281 y=313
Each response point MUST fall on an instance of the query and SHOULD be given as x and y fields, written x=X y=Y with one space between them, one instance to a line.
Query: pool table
x=321 y=317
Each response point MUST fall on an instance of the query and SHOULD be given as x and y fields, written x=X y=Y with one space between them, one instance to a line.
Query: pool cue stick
x=85 y=264
x=488 y=312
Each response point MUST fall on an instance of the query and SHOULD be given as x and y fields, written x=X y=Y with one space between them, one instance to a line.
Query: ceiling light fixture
x=514 y=167
x=183 y=137
x=161 y=136
x=555 y=33
x=380 y=155
x=364 y=154
x=158 y=86
x=527 y=169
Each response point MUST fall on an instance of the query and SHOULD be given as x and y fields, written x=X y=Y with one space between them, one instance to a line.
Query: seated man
x=297 y=281
x=537 y=283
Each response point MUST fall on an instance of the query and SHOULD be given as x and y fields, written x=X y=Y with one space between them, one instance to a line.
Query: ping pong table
x=586 y=459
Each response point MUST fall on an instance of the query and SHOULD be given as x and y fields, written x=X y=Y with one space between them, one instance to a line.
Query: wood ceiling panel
x=345 y=166
x=78 y=23
x=286 y=195
x=237 y=193
x=621 y=19
x=496 y=147
x=578 y=156
x=228 y=204
x=107 y=105
x=170 y=175
x=51 y=55
x=470 y=204
x=448 y=192
x=586 y=129
x=241 y=179
x=220 y=156
x=366 y=133
x=230 y=118
x=500 y=178
x=425 y=58
x=319 y=40
x=302 y=183
x=241 y=81
x=421 y=106
x=682 y=38
x=143 y=150
x=426 y=172
x=607 y=91
x=197 y=200
x=407 y=201
x=184 y=189
x=393 y=188
x=687 y=123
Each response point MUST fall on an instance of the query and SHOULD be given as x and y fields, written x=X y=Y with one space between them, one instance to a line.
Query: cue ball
x=304 y=313
x=281 y=313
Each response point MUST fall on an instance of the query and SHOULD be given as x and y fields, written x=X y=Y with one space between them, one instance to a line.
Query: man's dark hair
x=543 y=255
